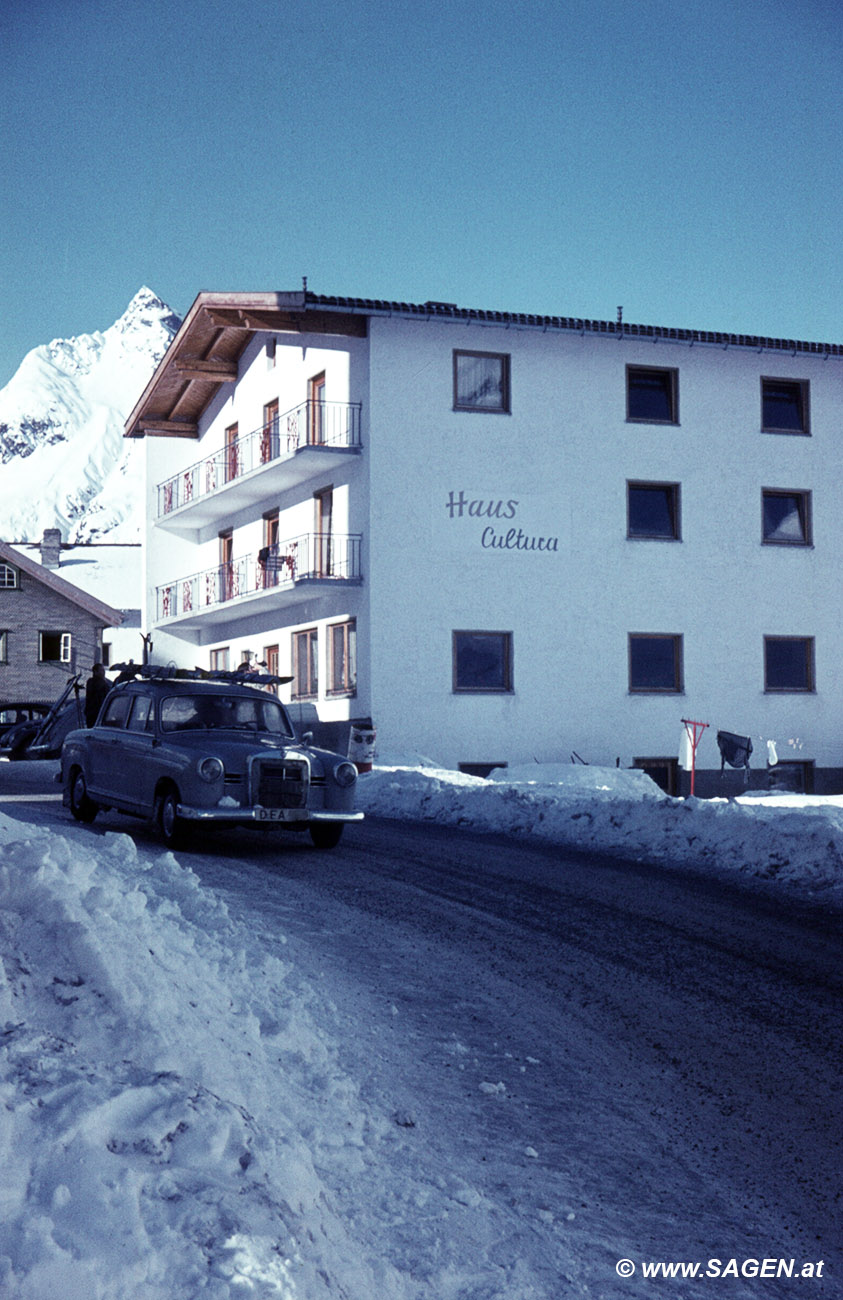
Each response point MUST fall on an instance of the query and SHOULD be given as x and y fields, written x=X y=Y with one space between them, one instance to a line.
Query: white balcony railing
x=312 y=424
x=310 y=556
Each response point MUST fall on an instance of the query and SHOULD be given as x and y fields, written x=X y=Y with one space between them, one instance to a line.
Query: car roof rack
x=169 y=672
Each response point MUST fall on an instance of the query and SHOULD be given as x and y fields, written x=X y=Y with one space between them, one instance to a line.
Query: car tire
x=170 y=825
x=82 y=808
x=326 y=835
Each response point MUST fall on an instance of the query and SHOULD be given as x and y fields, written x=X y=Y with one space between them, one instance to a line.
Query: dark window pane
x=481 y=661
x=652 y=511
x=788 y=664
x=784 y=517
x=480 y=381
x=782 y=405
x=651 y=395
x=654 y=663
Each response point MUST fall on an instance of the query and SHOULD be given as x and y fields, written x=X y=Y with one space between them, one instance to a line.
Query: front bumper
x=241 y=816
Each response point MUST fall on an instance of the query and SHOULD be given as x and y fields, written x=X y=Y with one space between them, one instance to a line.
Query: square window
x=789 y=663
x=482 y=662
x=54 y=647
x=652 y=395
x=305 y=665
x=786 y=517
x=8 y=577
x=653 y=510
x=784 y=406
x=655 y=663
x=342 y=642
x=481 y=382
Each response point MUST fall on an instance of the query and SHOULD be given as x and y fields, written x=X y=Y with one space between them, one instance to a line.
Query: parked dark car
x=12 y=714
x=44 y=737
x=187 y=749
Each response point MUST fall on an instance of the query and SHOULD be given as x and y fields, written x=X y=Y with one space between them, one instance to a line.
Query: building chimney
x=50 y=548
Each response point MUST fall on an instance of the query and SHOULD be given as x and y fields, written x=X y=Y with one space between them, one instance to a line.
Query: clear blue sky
x=682 y=159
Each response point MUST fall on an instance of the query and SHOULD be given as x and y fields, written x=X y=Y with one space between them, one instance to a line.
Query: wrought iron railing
x=312 y=424
x=308 y=556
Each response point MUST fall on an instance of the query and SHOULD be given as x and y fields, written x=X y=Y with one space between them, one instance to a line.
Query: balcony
x=279 y=455
x=254 y=584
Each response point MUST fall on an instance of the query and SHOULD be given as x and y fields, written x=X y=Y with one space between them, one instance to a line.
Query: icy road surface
x=560 y=1061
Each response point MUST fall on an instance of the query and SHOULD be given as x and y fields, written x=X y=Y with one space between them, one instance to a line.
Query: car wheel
x=169 y=823
x=82 y=808
x=326 y=835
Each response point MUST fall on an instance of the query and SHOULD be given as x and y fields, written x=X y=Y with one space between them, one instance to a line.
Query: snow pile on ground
x=173 y=1111
x=162 y=1082
x=789 y=838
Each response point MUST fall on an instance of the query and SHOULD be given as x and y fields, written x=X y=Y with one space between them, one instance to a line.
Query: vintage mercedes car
x=189 y=749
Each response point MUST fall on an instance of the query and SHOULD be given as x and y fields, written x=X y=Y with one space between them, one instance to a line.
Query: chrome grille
x=279 y=784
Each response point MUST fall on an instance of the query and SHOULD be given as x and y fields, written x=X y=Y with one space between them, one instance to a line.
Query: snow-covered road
x=531 y=1063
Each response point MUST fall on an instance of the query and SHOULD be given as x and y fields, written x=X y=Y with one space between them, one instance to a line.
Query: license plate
x=270 y=814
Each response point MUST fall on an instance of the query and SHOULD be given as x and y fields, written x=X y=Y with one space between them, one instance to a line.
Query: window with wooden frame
x=481 y=382
x=270 y=442
x=270 y=528
x=789 y=664
x=482 y=662
x=785 y=406
x=652 y=395
x=305 y=647
x=219 y=659
x=323 y=541
x=9 y=578
x=271 y=659
x=55 y=647
x=226 y=569
x=785 y=517
x=655 y=663
x=342 y=658
x=232 y=453
x=316 y=408
x=652 y=511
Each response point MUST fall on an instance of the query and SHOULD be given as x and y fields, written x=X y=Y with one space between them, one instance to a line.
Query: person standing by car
x=96 y=689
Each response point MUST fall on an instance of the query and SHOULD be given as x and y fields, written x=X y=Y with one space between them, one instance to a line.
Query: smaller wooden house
x=49 y=629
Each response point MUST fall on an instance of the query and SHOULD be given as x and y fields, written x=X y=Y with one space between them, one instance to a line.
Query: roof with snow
x=205 y=352
x=96 y=608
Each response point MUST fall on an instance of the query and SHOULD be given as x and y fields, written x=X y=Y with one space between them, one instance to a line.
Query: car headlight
x=345 y=774
x=211 y=769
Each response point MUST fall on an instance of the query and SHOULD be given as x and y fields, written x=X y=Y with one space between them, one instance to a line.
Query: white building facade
x=501 y=537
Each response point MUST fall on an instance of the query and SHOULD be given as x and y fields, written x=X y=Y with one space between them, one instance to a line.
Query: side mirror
x=307 y=738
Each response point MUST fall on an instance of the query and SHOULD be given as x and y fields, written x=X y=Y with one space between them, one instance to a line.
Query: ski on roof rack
x=169 y=672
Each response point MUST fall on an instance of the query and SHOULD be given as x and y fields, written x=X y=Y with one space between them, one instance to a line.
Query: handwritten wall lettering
x=462 y=506
x=514 y=540
x=459 y=505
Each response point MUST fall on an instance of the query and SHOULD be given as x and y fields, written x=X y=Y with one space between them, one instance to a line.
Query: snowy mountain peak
x=66 y=463
x=145 y=317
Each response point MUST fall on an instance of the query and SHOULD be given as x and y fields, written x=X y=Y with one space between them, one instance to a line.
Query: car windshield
x=223 y=713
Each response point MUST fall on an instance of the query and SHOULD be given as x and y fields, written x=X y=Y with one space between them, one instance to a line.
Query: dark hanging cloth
x=734 y=750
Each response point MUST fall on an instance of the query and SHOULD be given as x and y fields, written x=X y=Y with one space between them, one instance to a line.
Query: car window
x=141 y=716
x=223 y=713
x=116 y=711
